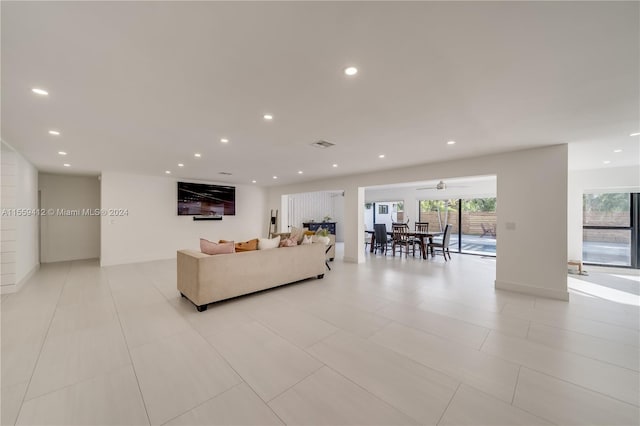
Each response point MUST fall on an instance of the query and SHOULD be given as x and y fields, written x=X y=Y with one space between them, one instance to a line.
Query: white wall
x=614 y=179
x=69 y=237
x=524 y=178
x=153 y=230
x=304 y=207
x=19 y=240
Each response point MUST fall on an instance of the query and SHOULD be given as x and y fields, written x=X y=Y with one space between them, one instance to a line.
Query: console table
x=314 y=226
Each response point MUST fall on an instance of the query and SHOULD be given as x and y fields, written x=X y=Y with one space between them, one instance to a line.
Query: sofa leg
x=182 y=294
x=201 y=308
x=321 y=276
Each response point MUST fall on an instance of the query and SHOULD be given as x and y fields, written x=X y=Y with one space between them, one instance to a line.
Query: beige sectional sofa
x=205 y=279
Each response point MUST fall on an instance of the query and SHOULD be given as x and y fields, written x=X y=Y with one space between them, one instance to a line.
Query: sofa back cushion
x=209 y=247
x=268 y=243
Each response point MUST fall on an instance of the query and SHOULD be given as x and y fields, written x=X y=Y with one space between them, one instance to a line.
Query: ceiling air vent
x=224 y=173
x=322 y=144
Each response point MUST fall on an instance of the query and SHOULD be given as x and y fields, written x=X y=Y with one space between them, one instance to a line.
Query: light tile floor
x=391 y=341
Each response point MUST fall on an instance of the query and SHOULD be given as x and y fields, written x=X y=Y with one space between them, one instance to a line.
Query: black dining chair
x=381 y=241
x=443 y=245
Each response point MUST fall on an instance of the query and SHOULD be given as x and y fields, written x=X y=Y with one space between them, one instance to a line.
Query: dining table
x=416 y=234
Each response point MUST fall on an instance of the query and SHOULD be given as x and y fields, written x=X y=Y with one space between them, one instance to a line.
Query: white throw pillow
x=307 y=240
x=268 y=243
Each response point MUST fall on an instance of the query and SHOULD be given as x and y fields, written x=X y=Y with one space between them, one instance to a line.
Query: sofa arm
x=187 y=273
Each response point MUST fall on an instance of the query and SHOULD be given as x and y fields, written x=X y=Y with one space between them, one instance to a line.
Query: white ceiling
x=140 y=86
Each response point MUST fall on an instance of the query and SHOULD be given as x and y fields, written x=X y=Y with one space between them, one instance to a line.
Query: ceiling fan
x=441 y=186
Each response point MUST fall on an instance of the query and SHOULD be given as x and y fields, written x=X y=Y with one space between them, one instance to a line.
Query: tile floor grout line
x=240 y=376
x=44 y=340
x=204 y=402
x=515 y=388
x=591 y=357
x=558 y=327
x=371 y=393
x=484 y=340
x=448 y=404
x=296 y=383
x=133 y=367
x=582 y=387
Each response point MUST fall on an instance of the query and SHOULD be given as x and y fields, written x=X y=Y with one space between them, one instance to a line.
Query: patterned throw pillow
x=209 y=247
x=297 y=234
x=245 y=245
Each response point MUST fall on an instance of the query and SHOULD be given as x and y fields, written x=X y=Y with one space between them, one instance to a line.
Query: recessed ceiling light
x=224 y=140
x=606 y=161
x=54 y=132
x=381 y=156
x=617 y=150
x=268 y=117
x=451 y=142
x=39 y=91
x=351 y=71
x=180 y=165
x=253 y=181
x=67 y=165
x=168 y=172
x=62 y=153
x=275 y=177
x=197 y=155
x=300 y=172
x=335 y=165
x=634 y=134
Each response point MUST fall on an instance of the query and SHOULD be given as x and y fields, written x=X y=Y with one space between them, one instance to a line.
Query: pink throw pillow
x=209 y=247
x=289 y=242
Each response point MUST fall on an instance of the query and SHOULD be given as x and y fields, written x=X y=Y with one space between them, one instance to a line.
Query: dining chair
x=381 y=241
x=401 y=239
x=367 y=238
x=419 y=227
x=443 y=245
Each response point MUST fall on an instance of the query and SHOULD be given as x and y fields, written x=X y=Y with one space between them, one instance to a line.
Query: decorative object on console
x=209 y=247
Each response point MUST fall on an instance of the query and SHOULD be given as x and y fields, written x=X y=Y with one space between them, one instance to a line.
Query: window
x=610 y=229
x=383 y=209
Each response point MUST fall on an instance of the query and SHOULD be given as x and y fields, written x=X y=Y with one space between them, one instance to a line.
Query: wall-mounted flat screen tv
x=206 y=200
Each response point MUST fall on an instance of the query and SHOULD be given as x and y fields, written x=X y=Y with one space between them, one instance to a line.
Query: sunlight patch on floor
x=603 y=292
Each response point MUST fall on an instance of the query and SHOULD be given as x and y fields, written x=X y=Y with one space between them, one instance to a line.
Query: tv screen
x=203 y=199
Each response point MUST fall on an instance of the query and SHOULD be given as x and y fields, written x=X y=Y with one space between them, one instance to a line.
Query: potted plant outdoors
x=323 y=236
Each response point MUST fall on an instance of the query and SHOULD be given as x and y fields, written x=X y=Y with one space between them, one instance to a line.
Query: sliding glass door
x=479 y=224
x=473 y=223
x=610 y=229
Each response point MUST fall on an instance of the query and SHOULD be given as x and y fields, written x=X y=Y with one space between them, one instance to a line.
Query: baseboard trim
x=14 y=288
x=533 y=291
x=348 y=259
